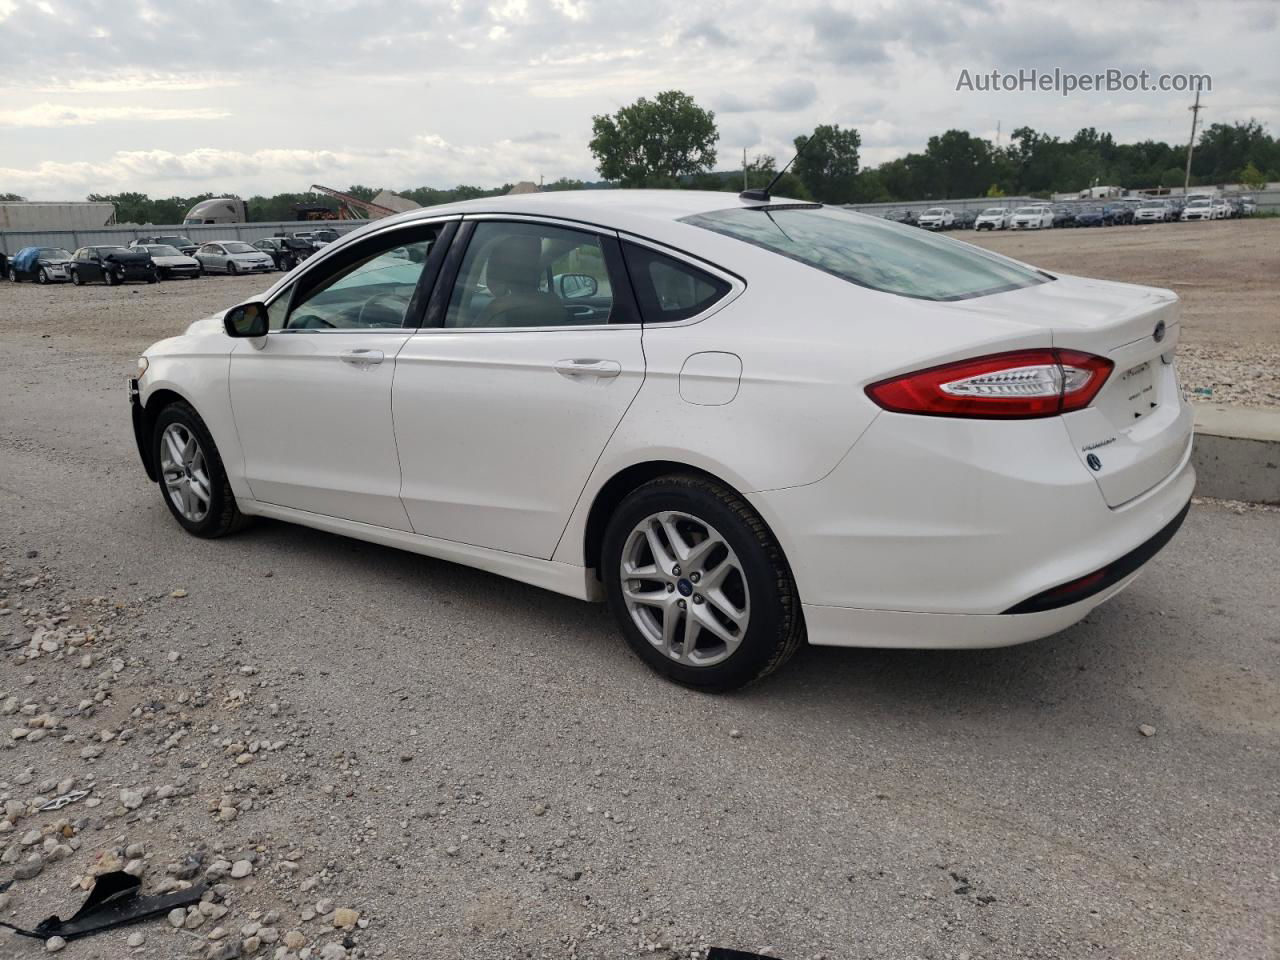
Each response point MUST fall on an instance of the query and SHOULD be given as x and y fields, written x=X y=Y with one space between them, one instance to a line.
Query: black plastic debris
x=113 y=902
x=724 y=953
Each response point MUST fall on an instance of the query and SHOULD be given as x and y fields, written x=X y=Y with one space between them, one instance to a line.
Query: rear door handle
x=361 y=357
x=600 y=369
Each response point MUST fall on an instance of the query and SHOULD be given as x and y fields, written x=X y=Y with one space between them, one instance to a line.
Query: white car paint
x=474 y=445
x=1031 y=218
x=993 y=218
x=1151 y=213
x=1201 y=209
x=937 y=218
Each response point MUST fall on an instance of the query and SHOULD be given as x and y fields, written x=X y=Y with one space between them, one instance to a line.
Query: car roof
x=622 y=209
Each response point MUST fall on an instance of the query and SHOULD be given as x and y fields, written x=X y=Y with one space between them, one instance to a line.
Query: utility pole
x=744 y=168
x=1195 y=115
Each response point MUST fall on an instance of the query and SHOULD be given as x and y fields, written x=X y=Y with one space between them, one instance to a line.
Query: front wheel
x=231 y=269
x=192 y=479
x=43 y=276
x=108 y=279
x=698 y=584
x=75 y=278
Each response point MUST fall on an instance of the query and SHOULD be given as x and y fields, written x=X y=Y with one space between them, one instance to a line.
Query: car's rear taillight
x=1017 y=385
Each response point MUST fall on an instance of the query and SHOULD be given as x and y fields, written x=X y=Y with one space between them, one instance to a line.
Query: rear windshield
x=873 y=253
x=235 y=247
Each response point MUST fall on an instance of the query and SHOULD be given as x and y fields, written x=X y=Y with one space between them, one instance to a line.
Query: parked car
x=1063 y=215
x=1248 y=206
x=1031 y=218
x=965 y=219
x=1089 y=215
x=40 y=265
x=1115 y=214
x=723 y=545
x=170 y=262
x=184 y=245
x=937 y=218
x=993 y=218
x=1153 y=211
x=233 y=257
x=1201 y=208
x=1222 y=207
x=903 y=216
x=112 y=265
x=285 y=252
x=317 y=238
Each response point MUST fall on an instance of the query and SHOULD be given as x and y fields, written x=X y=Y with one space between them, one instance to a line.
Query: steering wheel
x=384 y=310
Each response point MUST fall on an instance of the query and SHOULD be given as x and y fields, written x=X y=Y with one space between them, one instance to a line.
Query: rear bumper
x=931 y=531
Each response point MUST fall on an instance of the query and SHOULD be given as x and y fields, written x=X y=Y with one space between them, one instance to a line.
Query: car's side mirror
x=246 y=320
x=573 y=286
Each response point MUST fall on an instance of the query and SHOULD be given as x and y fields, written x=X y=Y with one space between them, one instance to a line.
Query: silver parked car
x=233 y=256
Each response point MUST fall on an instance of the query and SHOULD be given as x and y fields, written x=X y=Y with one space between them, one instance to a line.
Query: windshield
x=237 y=247
x=1198 y=203
x=178 y=241
x=1153 y=205
x=872 y=252
x=106 y=250
x=1030 y=210
x=993 y=212
x=934 y=212
x=162 y=250
x=54 y=253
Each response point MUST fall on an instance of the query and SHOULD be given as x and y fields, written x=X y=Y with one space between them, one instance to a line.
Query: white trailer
x=55 y=215
x=218 y=210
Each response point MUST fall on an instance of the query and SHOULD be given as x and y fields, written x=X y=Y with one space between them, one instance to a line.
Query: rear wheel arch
x=616 y=489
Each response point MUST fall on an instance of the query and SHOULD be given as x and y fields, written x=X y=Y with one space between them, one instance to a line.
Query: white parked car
x=1248 y=206
x=993 y=218
x=170 y=261
x=233 y=257
x=1202 y=208
x=1152 y=211
x=1221 y=209
x=594 y=392
x=937 y=218
x=1031 y=218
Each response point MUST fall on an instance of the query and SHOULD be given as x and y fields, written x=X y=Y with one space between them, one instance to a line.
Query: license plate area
x=1137 y=394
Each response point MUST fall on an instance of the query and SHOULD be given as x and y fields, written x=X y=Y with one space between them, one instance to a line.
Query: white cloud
x=55 y=115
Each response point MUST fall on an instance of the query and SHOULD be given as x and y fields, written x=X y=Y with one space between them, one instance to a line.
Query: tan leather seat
x=512 y=274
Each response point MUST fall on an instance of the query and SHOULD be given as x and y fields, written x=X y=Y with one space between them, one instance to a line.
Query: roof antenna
x=763 y=195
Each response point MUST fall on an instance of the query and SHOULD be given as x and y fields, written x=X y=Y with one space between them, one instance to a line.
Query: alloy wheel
x=685 y=588
x=185 y=472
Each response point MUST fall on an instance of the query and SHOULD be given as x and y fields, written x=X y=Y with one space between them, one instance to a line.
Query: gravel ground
x=1227 y=273
x=375 y=754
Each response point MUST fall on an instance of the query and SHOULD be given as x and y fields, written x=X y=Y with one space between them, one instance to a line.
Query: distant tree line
x=669 y=141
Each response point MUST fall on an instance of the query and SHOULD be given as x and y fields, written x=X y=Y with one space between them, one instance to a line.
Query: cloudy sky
x=259 y=96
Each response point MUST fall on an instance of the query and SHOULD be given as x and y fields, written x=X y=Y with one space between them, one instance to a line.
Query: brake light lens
x=1017 y=385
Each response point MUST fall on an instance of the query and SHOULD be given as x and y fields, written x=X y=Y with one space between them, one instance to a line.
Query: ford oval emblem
x=1094 y=462
x=1158 y=335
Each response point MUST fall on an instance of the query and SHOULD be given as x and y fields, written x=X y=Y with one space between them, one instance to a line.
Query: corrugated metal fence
x=11 y=241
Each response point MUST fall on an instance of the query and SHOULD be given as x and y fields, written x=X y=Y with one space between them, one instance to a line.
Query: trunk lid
x=1138 y=429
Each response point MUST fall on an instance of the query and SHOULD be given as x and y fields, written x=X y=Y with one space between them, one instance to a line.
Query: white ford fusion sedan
x=743 y=423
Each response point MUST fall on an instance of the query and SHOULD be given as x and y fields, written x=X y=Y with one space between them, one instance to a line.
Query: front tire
x=193 y=482
x=42 y=277
x=231 y=269
x=698 y=584
x=75 y=278
x=108 y=279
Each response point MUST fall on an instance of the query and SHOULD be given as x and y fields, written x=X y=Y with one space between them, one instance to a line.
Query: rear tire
x=208 y=509
x=741 y=578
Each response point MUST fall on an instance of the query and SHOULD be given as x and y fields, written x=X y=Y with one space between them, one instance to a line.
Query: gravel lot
x=480 y=769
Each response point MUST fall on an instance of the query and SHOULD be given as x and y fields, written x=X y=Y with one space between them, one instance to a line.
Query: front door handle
x=361 y=357
x=600 y=369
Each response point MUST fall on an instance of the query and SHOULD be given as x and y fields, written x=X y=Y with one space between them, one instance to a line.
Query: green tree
x=829 y=167
x=1252 y=177
x=11 y=198
x=655 y=142
x=995 y=191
